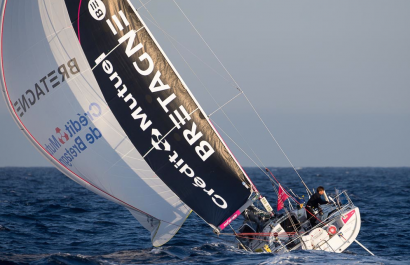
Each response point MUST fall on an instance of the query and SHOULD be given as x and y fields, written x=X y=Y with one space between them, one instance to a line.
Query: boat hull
x=348 y=227
x=335 y=233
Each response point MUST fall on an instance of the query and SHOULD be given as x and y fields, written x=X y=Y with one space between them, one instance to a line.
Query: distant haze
x=331 y=79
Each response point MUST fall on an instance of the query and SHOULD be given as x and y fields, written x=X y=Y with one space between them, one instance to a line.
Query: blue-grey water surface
x=45 y=218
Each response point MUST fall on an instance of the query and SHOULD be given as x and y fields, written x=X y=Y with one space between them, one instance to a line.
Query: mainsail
x=96 y=95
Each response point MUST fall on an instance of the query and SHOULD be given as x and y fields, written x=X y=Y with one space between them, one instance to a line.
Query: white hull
x=336 y=231
x=347 y=230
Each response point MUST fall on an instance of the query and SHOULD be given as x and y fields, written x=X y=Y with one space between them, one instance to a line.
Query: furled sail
x=102 y=101
x=55 y=99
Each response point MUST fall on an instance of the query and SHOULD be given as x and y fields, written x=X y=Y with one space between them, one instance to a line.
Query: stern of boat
x=340 y=228
x=348 y=227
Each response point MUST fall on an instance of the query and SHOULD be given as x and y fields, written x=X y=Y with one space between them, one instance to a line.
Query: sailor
x=313 y=203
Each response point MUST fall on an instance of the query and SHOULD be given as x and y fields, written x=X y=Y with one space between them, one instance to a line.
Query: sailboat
x=94 y=93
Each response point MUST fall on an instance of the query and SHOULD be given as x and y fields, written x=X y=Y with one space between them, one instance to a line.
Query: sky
x=329 y=79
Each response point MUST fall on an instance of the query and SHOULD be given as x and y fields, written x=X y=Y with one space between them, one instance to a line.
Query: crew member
x=314 y=202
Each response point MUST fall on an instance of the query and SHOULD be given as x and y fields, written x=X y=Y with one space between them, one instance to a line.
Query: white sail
x=53 y=96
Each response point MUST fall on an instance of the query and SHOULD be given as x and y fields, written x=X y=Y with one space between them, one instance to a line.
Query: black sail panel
x=157 y=111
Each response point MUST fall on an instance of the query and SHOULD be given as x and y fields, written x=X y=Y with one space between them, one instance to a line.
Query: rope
x=223 y=66
x=238 y=87
x=290 y=196
x=240 y=93
x=283 y=152
x=192 y=53
x=143 y=5
x=243 y=151
x=258 y=234
x=238 y=238
x=192 y=70
x=260 y=118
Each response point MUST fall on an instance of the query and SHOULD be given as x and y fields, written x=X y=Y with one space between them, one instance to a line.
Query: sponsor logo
x=96 y=9
x=197 y=181
x=229 y=220
x=77 y=129
x=346 y=217
x=48 y=82
x=179 y=116
x=62 y=138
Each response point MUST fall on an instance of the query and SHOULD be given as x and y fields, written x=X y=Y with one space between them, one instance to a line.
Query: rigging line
x=283 y=152
x=213 y=98
x=143 y=5
x=289 y=216
x=237 y=238
x=199 y=79
x=192 y=53
x=277 y=193
x=210 y=94
x=238 y=87
x=259 y=234
x=243 y=138
x=223 y=66
x=156 y=24
x=205 y=89
x=240 y=93
x=170 y=37
x=267 y=170
x=243 y=151
x=290 y=196
x=186 y=62
x=149 y=151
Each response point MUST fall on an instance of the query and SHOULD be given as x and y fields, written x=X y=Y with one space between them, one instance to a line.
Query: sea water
x=46 y=218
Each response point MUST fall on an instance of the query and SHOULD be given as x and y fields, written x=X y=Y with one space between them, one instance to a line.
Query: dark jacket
x=315 y=200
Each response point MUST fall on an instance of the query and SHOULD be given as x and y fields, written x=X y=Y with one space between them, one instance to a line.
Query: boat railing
x=341 y=206
x=339 y=198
